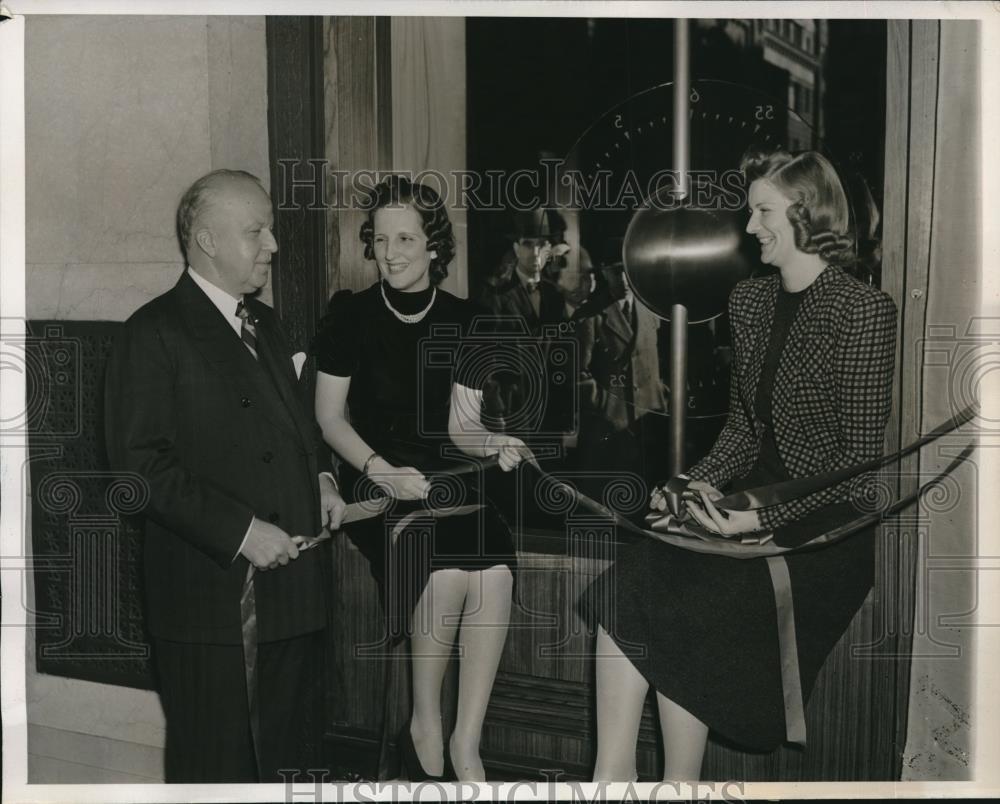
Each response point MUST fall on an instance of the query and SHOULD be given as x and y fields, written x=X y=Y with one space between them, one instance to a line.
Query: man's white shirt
x=220 y=298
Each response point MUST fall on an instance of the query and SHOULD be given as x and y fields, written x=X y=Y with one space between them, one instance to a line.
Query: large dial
x=623 y=161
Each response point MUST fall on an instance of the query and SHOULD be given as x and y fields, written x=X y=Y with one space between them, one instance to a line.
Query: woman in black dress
x=810 y=392
x=399 y=387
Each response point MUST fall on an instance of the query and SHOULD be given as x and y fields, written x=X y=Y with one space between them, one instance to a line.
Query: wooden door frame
x=910 y=142
x=297 y=153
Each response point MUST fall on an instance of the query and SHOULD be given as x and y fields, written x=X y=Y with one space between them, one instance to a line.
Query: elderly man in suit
x=203 y=403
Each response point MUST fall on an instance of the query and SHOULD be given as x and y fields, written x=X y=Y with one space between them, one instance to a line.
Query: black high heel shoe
x=411 y=762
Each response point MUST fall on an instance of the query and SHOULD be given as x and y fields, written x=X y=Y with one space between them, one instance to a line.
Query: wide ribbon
x=777 y=493
x=667 y=529
x=670 y=530
x=788 y=651
x=355 y=512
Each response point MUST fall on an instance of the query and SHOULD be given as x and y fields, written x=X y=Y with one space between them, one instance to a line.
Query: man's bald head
x=225 y=223
x=198 y=199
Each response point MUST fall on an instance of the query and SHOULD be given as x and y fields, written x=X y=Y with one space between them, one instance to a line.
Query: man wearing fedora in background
x=530 y=308
x=524 y=286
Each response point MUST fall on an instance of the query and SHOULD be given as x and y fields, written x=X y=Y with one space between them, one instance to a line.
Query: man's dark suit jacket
x=620 y=362
x=219 y=437
x=523 y=332
x=510 y=298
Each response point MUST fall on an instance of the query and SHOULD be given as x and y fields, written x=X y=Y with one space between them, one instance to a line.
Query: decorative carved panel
x=86 y=550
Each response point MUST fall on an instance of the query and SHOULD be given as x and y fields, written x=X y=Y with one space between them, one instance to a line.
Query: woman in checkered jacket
x=810 y=392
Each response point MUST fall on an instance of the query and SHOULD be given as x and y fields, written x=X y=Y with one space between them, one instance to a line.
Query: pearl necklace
x=411 y=318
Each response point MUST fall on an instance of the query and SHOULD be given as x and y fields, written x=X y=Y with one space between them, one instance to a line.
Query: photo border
x=15 y=568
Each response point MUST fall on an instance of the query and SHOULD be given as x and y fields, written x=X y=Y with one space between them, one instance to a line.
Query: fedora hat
x=611 y=254
x=538 y=223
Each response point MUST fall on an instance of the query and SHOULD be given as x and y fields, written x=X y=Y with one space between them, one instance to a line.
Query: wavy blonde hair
x=819 y=212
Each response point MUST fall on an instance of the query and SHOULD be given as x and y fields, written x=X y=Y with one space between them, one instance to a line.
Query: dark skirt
x=402 y=564
x=702 y=629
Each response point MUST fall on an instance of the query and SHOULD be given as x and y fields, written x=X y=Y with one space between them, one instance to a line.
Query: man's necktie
x=248 y=332
x=534 y=296
x=627 y=310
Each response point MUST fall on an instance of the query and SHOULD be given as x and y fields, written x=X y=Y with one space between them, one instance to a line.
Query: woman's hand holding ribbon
x=724 y=523
x=698 y=498
x=658 y=499
x=510 y=451
x=401 y=482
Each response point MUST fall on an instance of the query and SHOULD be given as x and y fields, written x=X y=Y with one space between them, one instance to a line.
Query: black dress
x=399 y=400
x=702 y=629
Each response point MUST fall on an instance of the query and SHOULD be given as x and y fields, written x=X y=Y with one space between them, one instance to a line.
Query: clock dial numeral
x=764 y=112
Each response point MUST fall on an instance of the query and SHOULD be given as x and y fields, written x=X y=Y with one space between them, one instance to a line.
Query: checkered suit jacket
x=832 y=392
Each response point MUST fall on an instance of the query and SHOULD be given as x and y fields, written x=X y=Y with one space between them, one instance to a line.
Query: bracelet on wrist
x=368 y=463
x=333 y=480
